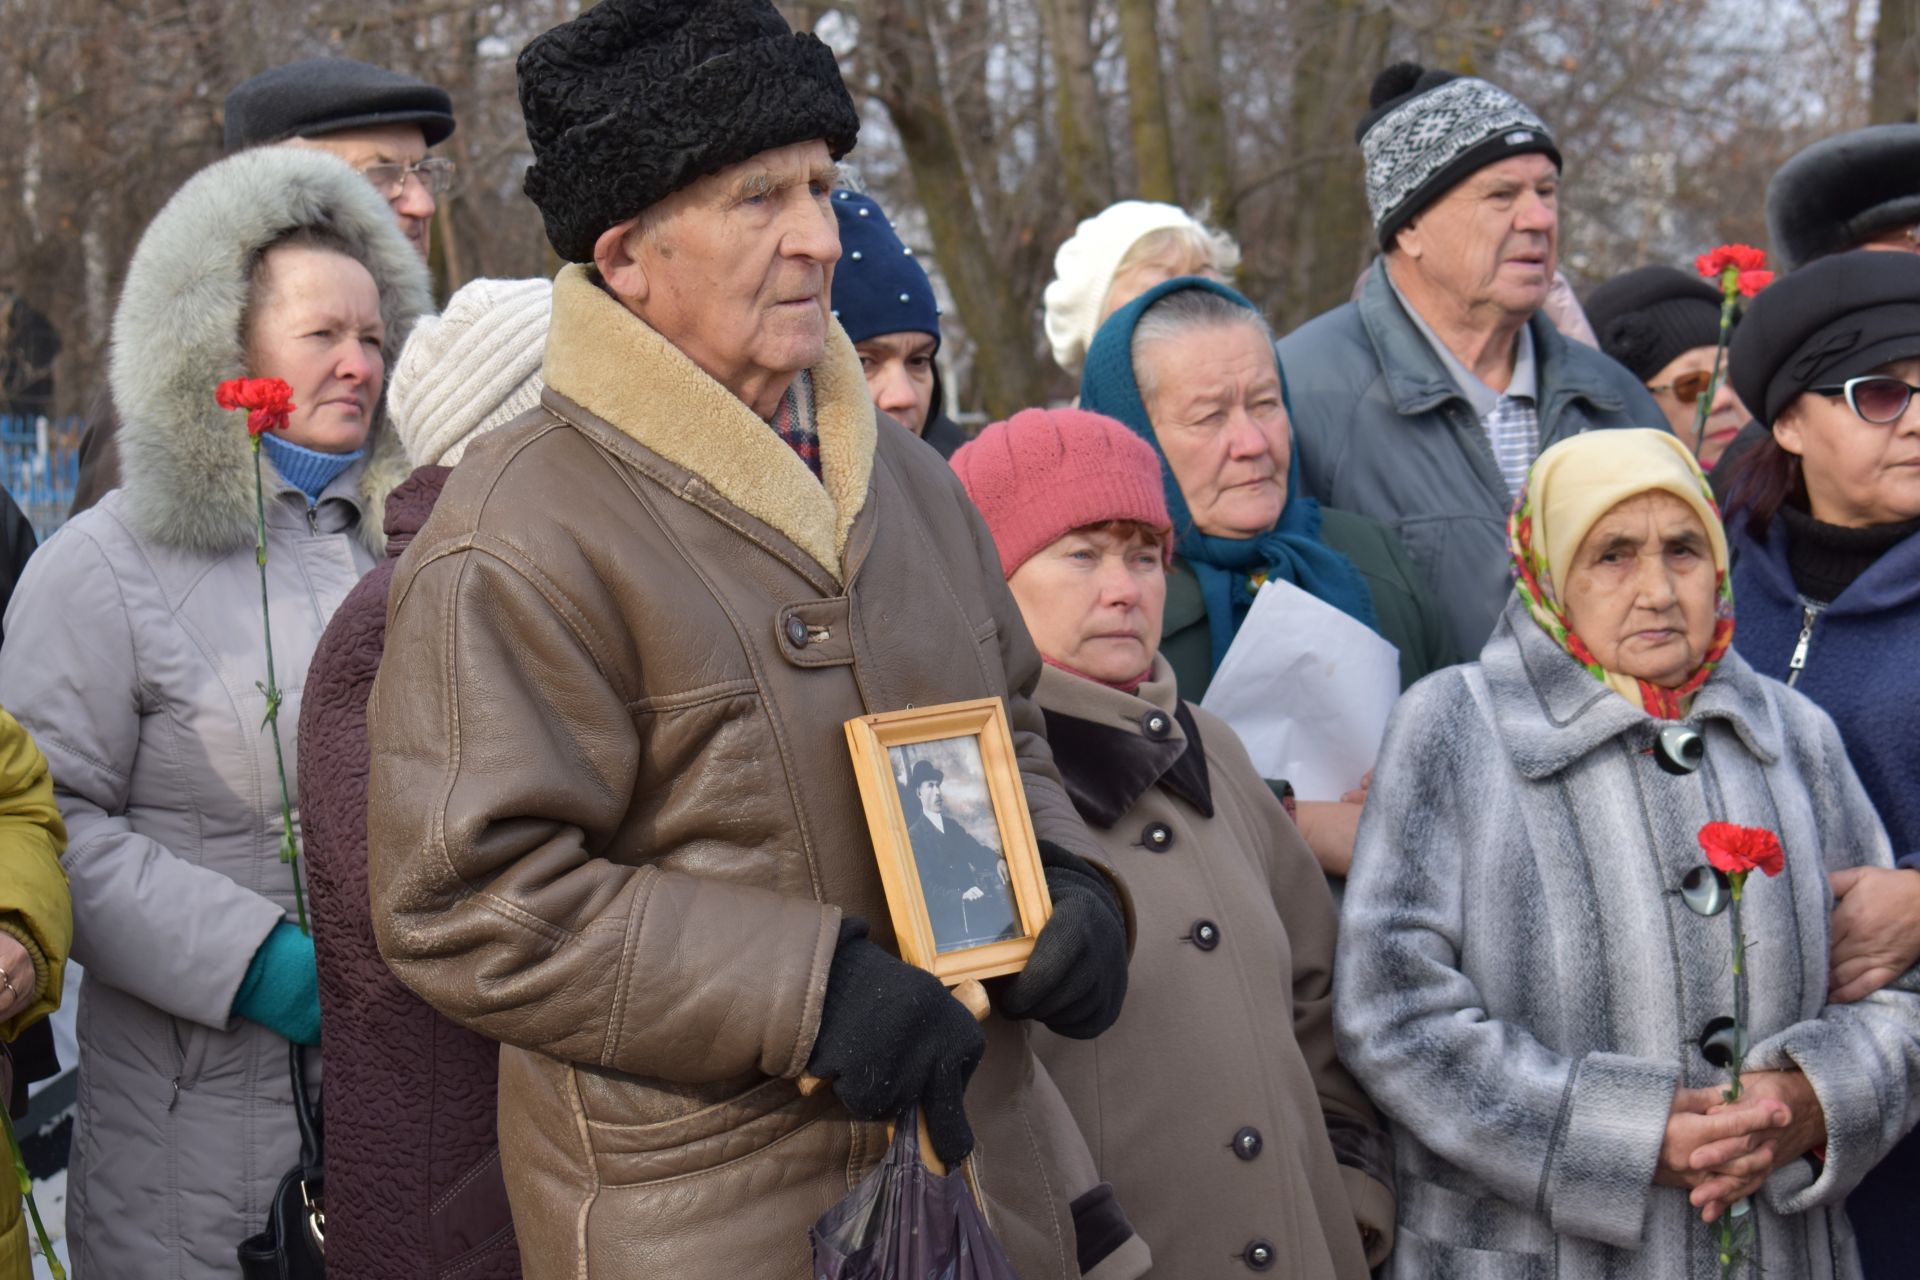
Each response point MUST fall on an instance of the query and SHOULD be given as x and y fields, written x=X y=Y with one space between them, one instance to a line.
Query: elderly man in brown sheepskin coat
x=613 y=820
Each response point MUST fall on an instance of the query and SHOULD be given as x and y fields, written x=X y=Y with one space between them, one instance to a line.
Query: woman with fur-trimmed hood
x=135 y=657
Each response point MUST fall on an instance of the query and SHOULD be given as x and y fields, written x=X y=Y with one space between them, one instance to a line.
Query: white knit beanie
x=473 y=367
x=1084 y=267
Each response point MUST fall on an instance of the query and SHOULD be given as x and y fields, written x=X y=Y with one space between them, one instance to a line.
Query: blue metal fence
x=40 y=467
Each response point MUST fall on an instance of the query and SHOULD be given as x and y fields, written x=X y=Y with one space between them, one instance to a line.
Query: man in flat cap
x=1423 y=403
x=613 y=818
x=378 y=121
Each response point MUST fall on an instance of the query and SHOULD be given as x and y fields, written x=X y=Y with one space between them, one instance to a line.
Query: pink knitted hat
x=1045 y=472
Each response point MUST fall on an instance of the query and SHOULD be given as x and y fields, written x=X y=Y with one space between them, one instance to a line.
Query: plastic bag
x=905 y=1222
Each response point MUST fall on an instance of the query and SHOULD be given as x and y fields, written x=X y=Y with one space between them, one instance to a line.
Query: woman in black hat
x=1664 y=325
x=1828 y=579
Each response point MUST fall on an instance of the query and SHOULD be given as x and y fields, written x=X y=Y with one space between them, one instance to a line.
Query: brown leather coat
x=613 y=819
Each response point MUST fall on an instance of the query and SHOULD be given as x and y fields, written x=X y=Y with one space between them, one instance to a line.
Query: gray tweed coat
x=1521 y=988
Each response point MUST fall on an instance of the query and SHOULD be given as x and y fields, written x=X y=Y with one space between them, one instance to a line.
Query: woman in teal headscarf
x=1190 y=366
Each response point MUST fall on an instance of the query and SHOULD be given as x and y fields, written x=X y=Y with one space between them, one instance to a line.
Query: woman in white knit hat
x=1117 y=255
x=414 y=1172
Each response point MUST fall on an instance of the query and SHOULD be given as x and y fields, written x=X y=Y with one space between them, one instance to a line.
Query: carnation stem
x=26 y=1192
x=1729 y=292
x=289 y=849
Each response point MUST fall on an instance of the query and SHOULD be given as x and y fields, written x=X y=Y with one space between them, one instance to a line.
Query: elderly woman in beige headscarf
x=1535 y=979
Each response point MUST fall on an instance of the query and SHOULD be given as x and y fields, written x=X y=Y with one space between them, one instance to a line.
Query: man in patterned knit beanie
x=613 y=821
x=1423 y=402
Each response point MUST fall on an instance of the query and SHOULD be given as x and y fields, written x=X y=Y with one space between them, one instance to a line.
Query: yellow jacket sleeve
x=35 y=906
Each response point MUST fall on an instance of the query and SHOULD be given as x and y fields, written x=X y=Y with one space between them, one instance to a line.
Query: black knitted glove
x=892 y=1035
x=1076 y=978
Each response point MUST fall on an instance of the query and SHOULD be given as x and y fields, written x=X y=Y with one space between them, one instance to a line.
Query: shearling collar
x=1105 y=755
x=1551 y=712
x=186 y=466
x=612 y=364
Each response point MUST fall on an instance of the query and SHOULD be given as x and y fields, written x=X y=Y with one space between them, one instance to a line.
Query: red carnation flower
x=1736 y=850
x=1735 y=266
x=1742 y=257
x=268 y=402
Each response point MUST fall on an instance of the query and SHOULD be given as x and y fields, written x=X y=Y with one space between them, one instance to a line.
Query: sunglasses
x=1874 y=397
x=1688 y=387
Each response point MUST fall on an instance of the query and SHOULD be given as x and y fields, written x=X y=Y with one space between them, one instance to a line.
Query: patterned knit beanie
x=1043 y=473
x=635 y=99
x=1428 y=130
x=473 y=367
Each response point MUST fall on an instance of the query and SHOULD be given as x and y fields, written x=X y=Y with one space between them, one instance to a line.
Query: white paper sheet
x=1308 y=690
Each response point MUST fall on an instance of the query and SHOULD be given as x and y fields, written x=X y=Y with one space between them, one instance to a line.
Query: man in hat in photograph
x=965 y=882
x=613 y=818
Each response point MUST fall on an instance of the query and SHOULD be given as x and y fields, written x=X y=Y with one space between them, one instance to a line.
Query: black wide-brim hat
x=1833 y=319
x=635 y=99
x=923 y=771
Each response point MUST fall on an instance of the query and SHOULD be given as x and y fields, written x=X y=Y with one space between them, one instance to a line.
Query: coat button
x=1156 y=725
x=1206 y=934
x=1158 y=837
x=1259 y=1255
x=1247 y=1143
x=1721 y=1042
x=796 y=633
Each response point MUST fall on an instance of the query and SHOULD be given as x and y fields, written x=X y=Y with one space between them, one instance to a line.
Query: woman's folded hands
x=1723 y=1151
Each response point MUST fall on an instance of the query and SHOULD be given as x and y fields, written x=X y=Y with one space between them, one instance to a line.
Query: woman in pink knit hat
x=1215 y=1106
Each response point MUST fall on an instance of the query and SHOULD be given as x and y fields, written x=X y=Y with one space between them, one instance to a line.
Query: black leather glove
x=892 y=1035
x=1076 y=979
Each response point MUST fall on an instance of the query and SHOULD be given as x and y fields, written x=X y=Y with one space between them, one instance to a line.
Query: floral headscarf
x=1605 y=468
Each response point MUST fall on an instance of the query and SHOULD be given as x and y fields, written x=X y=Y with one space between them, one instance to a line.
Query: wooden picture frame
x=947 y=915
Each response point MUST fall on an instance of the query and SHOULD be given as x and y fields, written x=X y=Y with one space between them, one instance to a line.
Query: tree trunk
x=1896 y=62
x=1086 y=166
x=1341 y=51
x=1210 y=174
x=1154 y=175
x=1006 y=370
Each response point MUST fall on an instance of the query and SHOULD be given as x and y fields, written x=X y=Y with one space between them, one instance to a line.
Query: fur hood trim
x=186 y=464
x=609 y=362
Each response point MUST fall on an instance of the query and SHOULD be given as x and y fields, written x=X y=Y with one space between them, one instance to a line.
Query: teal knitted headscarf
x=1229 y=569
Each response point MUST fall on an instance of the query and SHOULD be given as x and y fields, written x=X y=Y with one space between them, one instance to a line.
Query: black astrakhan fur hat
x=635 y=99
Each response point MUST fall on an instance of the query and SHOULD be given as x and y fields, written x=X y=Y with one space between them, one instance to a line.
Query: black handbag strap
x=304 y=1108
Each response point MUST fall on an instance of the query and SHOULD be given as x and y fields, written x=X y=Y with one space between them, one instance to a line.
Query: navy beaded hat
x=879 y=286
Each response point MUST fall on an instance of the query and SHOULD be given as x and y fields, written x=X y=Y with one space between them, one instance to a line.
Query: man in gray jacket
x=1423 y=402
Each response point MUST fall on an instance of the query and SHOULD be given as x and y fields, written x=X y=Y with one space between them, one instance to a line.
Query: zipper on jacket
x=313 y=518
x=1798 y=662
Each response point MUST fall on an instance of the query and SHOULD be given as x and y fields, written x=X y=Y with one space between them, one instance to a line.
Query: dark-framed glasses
x=1688 y=387
x=1873 y=397
x=435 y=174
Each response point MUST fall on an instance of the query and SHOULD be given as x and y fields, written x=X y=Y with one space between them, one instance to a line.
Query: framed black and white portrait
x=955 y=843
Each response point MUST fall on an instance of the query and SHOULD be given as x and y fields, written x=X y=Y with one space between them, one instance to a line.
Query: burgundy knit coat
x=412 y=1159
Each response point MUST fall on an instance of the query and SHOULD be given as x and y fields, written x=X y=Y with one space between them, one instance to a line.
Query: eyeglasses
x=435 y=174
x=1873 y=397
x=1688 y=387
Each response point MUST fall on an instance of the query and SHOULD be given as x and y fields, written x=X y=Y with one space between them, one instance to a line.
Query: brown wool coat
x=1216 y=1105
x=613 y=819
x=414 y=1190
